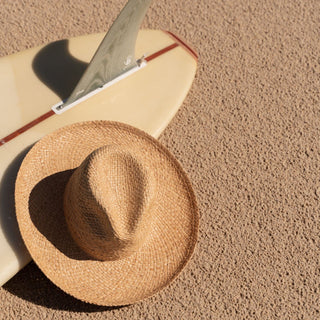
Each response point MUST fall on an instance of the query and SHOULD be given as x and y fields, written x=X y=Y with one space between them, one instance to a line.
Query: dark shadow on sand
x=57 y=69
x=32 y=285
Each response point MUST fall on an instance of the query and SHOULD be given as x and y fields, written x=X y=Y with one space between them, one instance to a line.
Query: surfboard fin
x=115 y=55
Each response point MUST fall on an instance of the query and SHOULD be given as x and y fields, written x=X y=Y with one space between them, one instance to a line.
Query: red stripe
x=51 y=112
x=183 y=44
x=162 y=51
x=26 y=127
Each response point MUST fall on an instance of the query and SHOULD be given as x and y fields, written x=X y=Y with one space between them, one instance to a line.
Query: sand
x=248 y=136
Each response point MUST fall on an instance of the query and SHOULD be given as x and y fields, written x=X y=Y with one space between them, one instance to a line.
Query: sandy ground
x=248 y=136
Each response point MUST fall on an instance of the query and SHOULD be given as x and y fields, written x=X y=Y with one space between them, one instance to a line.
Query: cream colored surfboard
x=31 y=83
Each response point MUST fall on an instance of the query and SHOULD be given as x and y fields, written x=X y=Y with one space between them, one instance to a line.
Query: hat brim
x=40 y=186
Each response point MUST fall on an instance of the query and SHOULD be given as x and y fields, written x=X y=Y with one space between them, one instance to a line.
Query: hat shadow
x=47 y=215
x=32 y=285
x=8 y=219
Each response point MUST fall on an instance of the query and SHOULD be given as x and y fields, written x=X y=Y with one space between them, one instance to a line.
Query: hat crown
x=108 y=203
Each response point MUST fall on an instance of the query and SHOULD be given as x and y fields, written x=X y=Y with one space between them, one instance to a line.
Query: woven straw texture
x=248 y=135
x=108 y=203
x=154 y=221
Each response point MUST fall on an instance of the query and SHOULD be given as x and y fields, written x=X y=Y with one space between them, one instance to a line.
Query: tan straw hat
x=106 y=212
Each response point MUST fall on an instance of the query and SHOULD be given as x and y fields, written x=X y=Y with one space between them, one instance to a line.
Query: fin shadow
x=57 y=69
x=8 y=218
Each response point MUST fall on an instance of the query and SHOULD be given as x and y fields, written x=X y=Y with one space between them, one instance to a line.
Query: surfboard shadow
x=57 y=68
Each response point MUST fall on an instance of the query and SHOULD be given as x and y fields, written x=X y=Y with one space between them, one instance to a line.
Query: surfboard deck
x=33 y=81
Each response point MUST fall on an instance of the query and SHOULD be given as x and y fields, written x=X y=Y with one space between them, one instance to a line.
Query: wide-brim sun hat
x=106 y=212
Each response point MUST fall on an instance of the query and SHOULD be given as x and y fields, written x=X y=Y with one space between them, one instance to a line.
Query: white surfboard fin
x=115 y=56
x=61 y=107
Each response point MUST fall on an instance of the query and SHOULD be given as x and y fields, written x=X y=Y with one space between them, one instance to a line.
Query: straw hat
x=106 y=212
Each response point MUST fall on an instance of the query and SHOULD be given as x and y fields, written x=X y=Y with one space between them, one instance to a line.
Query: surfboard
x=32 y=82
